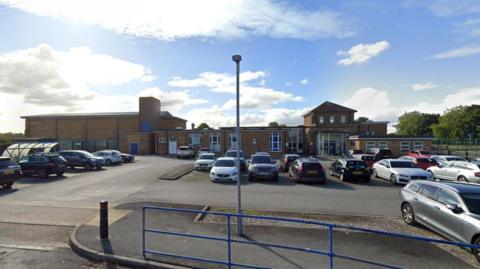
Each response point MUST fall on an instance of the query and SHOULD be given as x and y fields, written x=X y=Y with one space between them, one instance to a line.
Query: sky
x=380 y=57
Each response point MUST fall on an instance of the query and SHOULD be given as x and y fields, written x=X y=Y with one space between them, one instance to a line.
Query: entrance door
x=134 y=148
x=172 y=146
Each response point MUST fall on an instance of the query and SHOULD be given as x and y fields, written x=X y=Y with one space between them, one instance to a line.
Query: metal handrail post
x=330 y=246
x=229 y=242
x=143 y=231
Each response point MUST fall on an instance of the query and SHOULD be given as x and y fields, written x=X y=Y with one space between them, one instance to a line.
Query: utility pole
x=237 y=59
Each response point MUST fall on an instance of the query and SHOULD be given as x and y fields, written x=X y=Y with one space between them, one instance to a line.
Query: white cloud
x=288 y=84
x=256 y=97
x=362 y=53
x=304 y=81
x=423 y=86
x=456 y=53
x=170 y=20
x=172 y=100
x=215 y=80
x=447 y=8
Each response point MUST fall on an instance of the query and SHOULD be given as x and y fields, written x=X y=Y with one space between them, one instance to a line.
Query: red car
x=369 y=159
x=420 y=153
x=421 y=161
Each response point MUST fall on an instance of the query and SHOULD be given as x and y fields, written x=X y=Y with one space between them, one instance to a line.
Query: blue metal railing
x=229 y=240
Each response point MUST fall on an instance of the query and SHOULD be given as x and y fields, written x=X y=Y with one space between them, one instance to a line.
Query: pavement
x=126 y=241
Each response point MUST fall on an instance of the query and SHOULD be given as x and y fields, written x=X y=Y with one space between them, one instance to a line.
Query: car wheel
x=8 y=185
x=42 y=173
x=108 y=162
x=476 y=251
x=462 y=179
x=408 y=215
x=393 y=179
x=87 y=166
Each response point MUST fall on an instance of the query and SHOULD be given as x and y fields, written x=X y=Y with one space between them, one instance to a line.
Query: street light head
x=236 y=58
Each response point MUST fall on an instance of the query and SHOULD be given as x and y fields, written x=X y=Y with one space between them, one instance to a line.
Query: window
x=404 y=146
x=417 y=145
x=275 y=142
x=332 y=119
x=194 y=140
x=447 y=198
x=215 y=142
x=382 y=144
x=232 y=141
x=162 y=140
x=369 y=145
x=343 y=119
x=429 y=191
x=321 y=120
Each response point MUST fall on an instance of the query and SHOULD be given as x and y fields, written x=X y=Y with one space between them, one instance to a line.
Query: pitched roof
x=330 y=107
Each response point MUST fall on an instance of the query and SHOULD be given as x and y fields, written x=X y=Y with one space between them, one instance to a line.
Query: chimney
x=193 y=126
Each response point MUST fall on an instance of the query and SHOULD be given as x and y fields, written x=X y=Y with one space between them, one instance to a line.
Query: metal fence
x=466 y=148
x=330 y=253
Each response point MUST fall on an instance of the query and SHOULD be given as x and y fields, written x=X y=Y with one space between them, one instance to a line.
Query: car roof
x=309 y=160
x=4 y=158
x=447 y=156
x=458 y=187
x=291 y=155
x=207 y=153
x=397 y=160
x=226 y=159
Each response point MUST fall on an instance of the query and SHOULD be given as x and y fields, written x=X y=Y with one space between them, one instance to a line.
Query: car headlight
x=212 y=173
x=234 y=173
x=274 y=168
x=93 y=160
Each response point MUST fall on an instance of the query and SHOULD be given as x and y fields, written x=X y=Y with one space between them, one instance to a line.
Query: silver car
x=447 y=158
x=461 y=171
x=399 y=171
x=451 y=209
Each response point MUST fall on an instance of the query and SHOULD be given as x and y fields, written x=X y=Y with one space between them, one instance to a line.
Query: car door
x=453 y=170
x=425 y=206
x=450 y=223
x=442 y=171
x=384 y=169
x=25 y=164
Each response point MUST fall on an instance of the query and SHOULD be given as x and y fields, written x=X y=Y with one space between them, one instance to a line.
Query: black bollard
x=103 y=219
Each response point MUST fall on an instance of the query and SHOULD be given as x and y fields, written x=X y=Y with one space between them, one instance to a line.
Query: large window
x=404 y=146
x=275 y=142
x=215 y=142
x=417 y=145
x=232 y=141
x=332 y=119
x=321 y=120
x=369 y=145
x=382 y=144
x=343 y=119
x=194 y=139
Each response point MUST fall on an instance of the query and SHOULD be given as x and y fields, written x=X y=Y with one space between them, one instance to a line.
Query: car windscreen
x=58 y=158
x=292 y=158
x=385 y=152
x=233 y=154
x=206 y=157
x=261 y=159
x=183 y=148
x=369 y=158
x=455 y=159
x=7 y=163
x=356 y=164
x=472 y=200
x=311 y=166
x=87 y=154
x=424 y=152
x=403 y=165
x=224 y=163
x=426 y=160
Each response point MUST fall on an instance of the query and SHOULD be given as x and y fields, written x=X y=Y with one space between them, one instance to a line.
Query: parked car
x=126 y=158
x=420 y=153
x=43 y=165
x=81 y=158
x=110 y=156
x=455 y=170
x=369 y=159
x=205 y=161
x=307 y=170
x=447 y=158
x=233 y=154
x=262 y=167
x=202 y=151
x=451 y=209
x=421 y=161
x=399 y=171
x=350 y=169
x=9 y=172
x=287 y=160
x=224 y=170
x=381 y=154
x=184 y=152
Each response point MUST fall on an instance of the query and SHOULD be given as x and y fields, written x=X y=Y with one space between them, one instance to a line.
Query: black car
x=350 y=169
x=81 y=158
x=126 y=158
x=9 y=172
x=307 y=170
x=43 y=165
x=262 y=166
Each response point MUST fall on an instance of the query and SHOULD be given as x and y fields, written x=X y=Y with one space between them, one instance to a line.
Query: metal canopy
x=18 y=150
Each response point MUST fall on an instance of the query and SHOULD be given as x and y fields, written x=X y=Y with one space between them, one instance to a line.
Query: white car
x=447 y=158
x=184 y=152
x=455 y=170
x=205 y=161
x=399 y=171
x=110 y=156
x=224 y=170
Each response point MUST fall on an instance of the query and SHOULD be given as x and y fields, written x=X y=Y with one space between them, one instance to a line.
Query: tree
x=5 y=138
x=202 y=126
x=416 y=123
x=458 y=122
x=276 y=124
x=363 y=120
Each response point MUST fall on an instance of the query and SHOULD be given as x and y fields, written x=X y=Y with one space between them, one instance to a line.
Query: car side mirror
x=455 y=208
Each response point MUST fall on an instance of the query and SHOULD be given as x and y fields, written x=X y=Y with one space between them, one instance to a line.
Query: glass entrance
x=331 y=143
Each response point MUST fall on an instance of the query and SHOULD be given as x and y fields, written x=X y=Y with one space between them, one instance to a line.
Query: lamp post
x=237 y=59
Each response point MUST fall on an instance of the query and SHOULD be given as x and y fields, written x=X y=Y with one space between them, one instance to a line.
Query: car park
x=43 y=165
x=369 y=159
x=399 y=171
x=287 y=160
x=9 y=172
x=457 y=170
x=81 y=158
x=126 y=158
x=205 y=161
x=350 y=169
x=262 y=167
x=307 y=170
x=381 y=154
x=184 y=152
x=420 y=153
x=447 y=158
x=451 y=209
x=224 y=170
x=110 y=156
x=233 y=154
x=421 y=161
